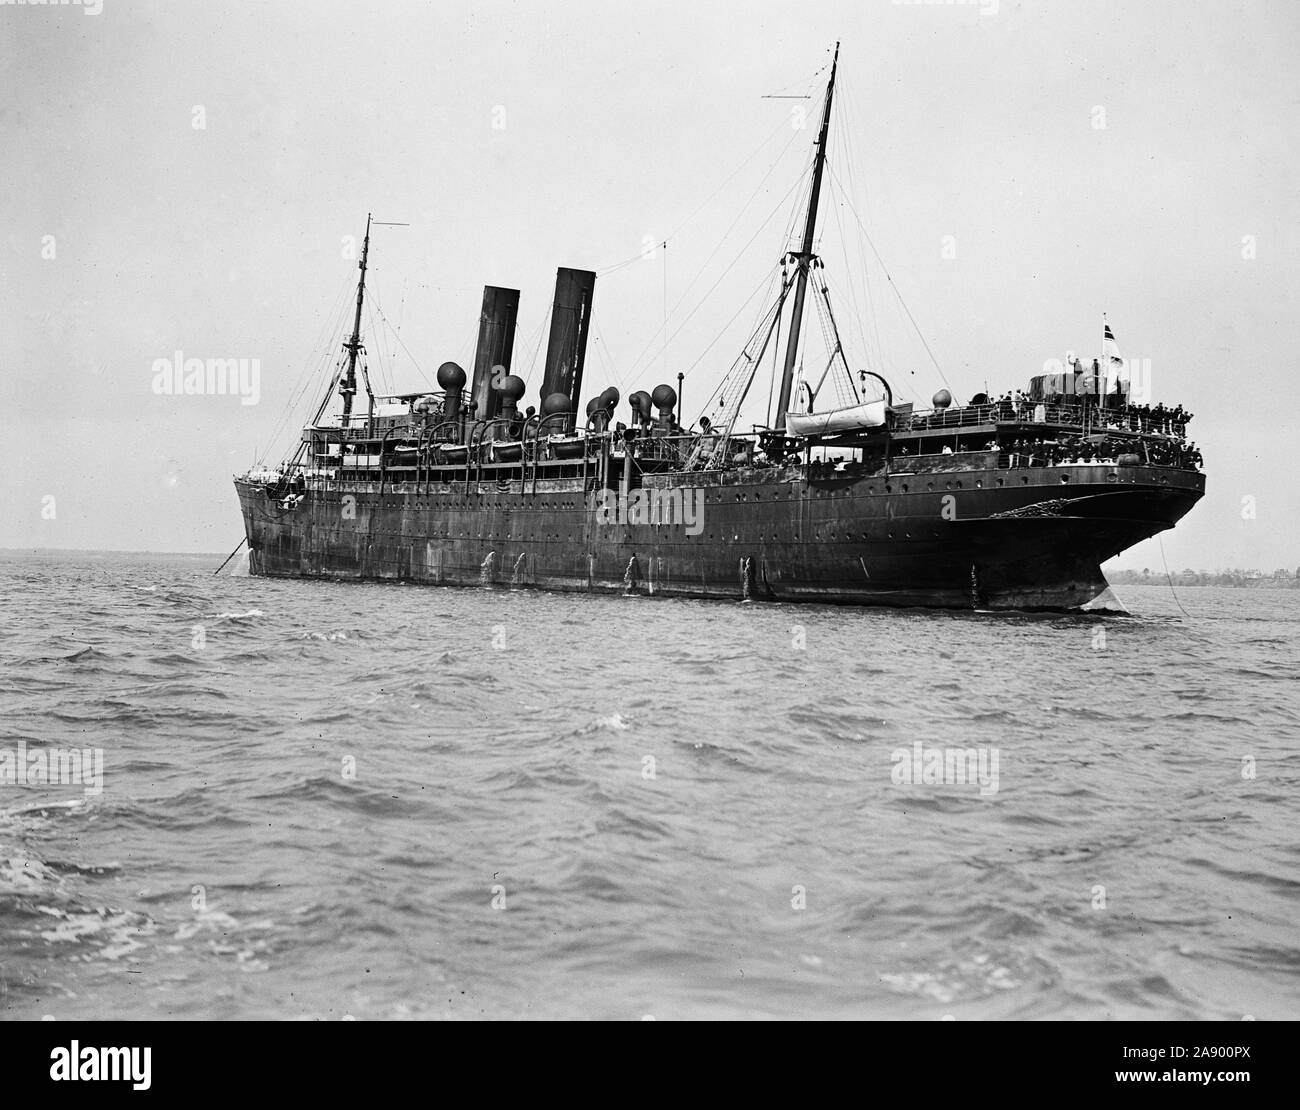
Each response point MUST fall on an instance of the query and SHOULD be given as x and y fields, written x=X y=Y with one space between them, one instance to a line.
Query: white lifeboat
x=851 y=418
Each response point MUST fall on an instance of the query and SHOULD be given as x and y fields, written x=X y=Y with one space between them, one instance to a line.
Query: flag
x=1113 y=368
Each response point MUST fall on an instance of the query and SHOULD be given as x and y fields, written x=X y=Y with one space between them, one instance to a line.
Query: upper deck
x=420 y=445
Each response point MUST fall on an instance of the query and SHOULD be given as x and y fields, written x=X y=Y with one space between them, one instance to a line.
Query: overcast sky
x=182 y=177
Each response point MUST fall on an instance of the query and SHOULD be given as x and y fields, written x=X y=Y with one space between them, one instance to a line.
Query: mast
x=804 y=257
x=349 y=387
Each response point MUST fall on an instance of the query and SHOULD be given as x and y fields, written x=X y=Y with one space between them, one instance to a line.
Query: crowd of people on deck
x=1111 y=411
x=1093 y=449
x=1063 y=450
x=1108 y=411
x=1149 y=418
x=1066 y=451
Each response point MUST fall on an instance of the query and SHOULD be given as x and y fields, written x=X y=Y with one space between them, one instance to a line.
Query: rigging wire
x=401 y=307
x=381 y=373
x=776 y=348
x=721 y=386
x=835 y=334
x=537 y=346
x=462 y=356
x=335 y=319
x=1169 y=577
x=636 y=364
x=728 y=411
x=870 y=356
x=884 y=363
x=718 y=282
x=894 y=287
x=607 y=358
x=414 y=361
x=830 y=336
x=850 y=120
x=883 y=360
x=385 y=367
x=809 y=85
x=312 y=363
x=673 y=234
x=852 y=284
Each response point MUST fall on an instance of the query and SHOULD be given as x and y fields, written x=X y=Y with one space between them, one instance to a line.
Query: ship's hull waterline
x=1021 y=539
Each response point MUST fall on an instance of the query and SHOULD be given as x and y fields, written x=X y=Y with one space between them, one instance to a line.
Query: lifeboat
x=567 y=447
x=851 y=418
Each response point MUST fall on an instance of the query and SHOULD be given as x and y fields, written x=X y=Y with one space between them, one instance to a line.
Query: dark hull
x=1007 y=539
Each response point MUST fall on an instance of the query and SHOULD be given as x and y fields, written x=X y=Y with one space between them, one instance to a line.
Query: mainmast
x=348 y=388
x=805 y=256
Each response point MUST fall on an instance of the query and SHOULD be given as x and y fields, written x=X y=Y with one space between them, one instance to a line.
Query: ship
x=1007 y=502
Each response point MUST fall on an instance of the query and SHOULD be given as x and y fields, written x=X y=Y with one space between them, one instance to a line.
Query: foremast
x=353 y=345
x=804 y=258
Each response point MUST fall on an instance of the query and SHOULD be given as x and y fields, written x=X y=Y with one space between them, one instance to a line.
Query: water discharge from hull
x=632 y=575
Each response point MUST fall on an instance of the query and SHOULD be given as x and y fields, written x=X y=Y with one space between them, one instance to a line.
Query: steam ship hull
x=1029 y=538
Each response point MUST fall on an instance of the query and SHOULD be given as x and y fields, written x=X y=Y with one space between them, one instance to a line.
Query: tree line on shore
x=1259 y=579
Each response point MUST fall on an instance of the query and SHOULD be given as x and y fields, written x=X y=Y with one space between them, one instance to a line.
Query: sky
x=193 y=178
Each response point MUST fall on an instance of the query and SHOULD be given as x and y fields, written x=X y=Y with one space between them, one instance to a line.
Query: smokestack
x=496 y=342
x=570 y=322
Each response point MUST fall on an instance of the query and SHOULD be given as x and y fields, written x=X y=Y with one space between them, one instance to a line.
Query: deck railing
x=1041 y=412
x=601 y=452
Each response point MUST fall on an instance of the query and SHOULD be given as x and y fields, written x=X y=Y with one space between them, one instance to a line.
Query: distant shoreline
x=1222 y=580
x=107 y=551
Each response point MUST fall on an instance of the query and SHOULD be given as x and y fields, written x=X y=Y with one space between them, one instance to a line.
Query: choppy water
x=500 y=850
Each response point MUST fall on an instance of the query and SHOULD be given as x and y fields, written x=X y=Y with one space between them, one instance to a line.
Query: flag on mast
x=1113 y=368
